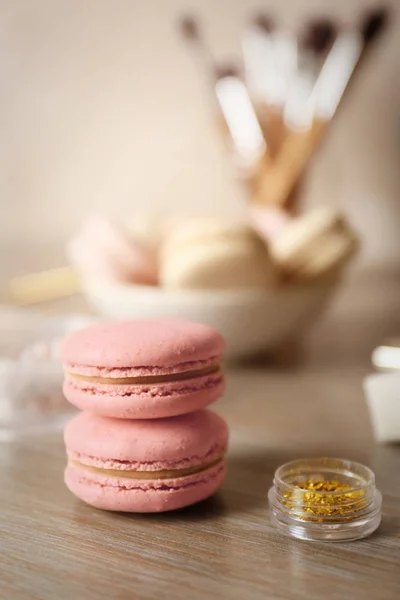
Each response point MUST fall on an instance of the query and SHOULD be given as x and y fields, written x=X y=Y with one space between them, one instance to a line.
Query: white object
x=318 y=97
x=250 y=321
x=335 y=73
x=387 y=357
x=31 y=373
x=382 y=392
x=285 y=54
x=270 y=62
x=259 y=62
x=241 y=119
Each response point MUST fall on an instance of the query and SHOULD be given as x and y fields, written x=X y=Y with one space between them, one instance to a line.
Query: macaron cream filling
x=148 y=379
x=163 y=474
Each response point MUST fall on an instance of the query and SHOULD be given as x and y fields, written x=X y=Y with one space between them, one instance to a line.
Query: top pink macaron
x=143 y=369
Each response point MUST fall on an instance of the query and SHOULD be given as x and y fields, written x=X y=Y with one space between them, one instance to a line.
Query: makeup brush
x=297 y=90
x=373 y=24
x=345 y=58
x=191 y=32
x=313 y=46
x=240 y=117
x=258 y=59
x=269 y=56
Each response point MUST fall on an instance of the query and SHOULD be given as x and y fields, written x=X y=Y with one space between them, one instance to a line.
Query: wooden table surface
x=53 y=547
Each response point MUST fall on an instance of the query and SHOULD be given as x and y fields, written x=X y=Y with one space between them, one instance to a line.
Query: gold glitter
x=322 y=500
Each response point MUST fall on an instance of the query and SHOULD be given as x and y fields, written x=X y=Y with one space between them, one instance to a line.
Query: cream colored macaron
x=211 y=254
x=148 y=229
x=314 y=244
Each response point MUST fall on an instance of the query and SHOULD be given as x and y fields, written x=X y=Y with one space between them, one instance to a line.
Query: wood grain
x=53 y=547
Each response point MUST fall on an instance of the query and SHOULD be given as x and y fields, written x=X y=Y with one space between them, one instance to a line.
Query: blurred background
x=101 y=109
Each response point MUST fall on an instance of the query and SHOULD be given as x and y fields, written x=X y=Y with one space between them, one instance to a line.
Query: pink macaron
x=143 y=369
x=268 y=221
x=145 y=466
x=104 y=251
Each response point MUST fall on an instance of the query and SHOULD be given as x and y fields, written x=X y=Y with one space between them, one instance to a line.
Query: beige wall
x=101 y=109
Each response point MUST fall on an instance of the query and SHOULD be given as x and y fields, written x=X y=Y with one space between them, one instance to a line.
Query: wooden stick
x=44 y=286
x=281 y=177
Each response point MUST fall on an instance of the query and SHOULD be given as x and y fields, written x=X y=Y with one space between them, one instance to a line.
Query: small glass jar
x=325 y=499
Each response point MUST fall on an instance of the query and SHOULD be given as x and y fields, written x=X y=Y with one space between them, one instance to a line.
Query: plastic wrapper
x=31 y=373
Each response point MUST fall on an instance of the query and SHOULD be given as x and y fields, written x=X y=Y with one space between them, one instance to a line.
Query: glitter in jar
x=321 y=499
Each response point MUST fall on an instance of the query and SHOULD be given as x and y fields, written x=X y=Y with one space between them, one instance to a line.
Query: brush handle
x=281 y=177
x=272 y=125
x=253 y=173
x=44 y=286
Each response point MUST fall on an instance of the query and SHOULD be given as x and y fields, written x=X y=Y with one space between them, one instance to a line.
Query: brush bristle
x=265 y=23
x=374 y=23
x=318 y=35
x=226 y=71
x=189 y=28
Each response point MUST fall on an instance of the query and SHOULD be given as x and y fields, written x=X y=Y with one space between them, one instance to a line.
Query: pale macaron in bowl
x=207 y=254
x=147 y=369
x=145 y=466
x=314 y=244
x=220 y=273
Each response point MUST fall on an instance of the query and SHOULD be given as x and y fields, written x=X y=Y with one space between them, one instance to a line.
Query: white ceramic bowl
x=250 y=321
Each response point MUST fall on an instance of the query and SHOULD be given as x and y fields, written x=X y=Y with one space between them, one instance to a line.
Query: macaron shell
x=314 y=244
x=303 y=231
x=148 y=230
x=163 y=440
x=93 y=263
x=214 y=254
x=332 y=253
x=268 y=221
x=95 y=445
x=222 y=263
x=141 y=344
x=202 y=230
x=154 y=402
x=124 y=258
x=144 y=499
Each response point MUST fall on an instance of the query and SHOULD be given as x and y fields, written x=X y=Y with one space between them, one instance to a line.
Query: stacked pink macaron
x=145 y=441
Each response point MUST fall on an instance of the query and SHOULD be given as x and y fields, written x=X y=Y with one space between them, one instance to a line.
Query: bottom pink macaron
x=145 y=466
